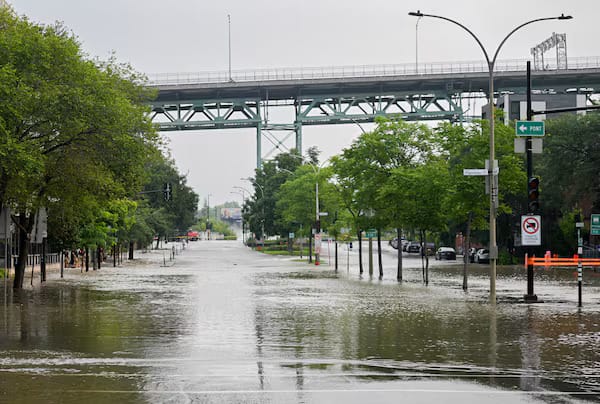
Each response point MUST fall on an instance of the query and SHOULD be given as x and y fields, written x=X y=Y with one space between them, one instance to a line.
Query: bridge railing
x=364 y=71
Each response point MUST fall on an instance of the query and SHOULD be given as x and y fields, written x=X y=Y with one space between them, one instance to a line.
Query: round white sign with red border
x=531 y=227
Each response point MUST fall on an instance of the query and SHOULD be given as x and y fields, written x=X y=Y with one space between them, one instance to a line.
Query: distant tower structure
x=558 y=41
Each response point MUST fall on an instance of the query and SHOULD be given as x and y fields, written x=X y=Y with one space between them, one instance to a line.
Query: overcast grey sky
x=192 y=35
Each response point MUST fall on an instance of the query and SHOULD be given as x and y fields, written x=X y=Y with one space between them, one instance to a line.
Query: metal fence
x=364 y=71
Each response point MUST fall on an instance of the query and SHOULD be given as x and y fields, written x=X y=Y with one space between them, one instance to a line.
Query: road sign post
x=531 y=230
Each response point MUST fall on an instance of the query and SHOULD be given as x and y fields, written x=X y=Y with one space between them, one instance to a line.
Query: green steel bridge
x=348 y=94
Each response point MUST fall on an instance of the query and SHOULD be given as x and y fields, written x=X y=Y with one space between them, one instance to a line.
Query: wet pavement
x=224 y=324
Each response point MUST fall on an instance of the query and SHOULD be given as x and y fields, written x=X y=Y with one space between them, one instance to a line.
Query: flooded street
x=225 y=324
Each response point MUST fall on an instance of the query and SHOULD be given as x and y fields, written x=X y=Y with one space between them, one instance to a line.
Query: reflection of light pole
x=262 y=191
x=492 y=164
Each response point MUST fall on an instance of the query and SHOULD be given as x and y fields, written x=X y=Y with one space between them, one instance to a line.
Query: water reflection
x=228 y=325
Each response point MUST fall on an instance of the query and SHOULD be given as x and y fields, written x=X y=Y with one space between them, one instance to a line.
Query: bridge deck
x=285 y=84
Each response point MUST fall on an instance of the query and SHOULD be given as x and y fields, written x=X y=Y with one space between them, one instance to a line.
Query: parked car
x=430 y=249
x=445 y=253
x=413 y=247
x=394 y=242
x=471 y=254
x=482 y=256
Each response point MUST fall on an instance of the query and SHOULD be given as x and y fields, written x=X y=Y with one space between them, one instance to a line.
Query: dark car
x=445 y=253
x=413 y=247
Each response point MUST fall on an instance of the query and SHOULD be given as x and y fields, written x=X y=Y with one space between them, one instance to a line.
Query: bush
x=506 y=258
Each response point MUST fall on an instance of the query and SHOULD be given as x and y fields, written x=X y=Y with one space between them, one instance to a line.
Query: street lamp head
x=565 y=17
x=416 y=14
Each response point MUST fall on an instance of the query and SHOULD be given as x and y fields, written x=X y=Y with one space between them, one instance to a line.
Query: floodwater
x=224 y=324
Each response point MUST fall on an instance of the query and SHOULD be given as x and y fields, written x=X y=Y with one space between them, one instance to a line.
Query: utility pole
x=530 y=297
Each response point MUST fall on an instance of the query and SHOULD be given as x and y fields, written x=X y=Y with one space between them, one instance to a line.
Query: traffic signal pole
x=530 y=297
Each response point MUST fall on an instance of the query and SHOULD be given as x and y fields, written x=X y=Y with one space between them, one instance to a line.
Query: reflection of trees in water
x=56 y=332
x=445 y=338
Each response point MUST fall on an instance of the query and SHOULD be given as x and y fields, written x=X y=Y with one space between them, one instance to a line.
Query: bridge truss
x=249 y=100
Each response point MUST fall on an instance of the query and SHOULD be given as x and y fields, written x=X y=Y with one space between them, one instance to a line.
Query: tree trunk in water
x=360 y=262
x=422 y=257
x=131 y=247
x=87 y=259
x=99 y=257
x=336 y=256
x=43 y=261
x=426 y=258
x=399 y=275
x=466 y=248
x=25 y=224
x=379 y=253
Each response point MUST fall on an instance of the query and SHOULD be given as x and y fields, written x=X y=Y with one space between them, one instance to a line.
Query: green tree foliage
x=74 y=131
x=467 y=147
x=569 y=181
x=260 y=210
x=177 y=215
x=570 y=163
x=296 y=199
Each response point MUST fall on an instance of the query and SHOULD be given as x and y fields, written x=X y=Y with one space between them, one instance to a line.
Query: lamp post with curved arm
x=492 y=171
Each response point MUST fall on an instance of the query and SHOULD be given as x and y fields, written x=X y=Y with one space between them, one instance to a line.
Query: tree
x=363 y=168
x=421 y=190
x=568 y=171
x=467 y=147
x=260 y=211
x=62 y=113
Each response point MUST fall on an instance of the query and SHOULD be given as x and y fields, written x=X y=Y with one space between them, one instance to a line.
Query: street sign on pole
x=531 y=230
x=595 y=227
x=371 y=233
x=530 y=128
x=471 y=172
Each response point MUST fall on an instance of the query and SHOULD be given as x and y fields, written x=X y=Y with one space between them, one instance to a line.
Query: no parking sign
x=531 y=230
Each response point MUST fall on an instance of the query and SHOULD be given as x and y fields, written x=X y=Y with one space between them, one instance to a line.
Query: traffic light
x=533 y=194
x=167 y=192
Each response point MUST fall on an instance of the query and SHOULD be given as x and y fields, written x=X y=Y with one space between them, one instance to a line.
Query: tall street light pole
x=417 y=45
x=492 y=164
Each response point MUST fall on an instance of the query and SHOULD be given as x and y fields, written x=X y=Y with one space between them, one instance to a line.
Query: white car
x=482 y=256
